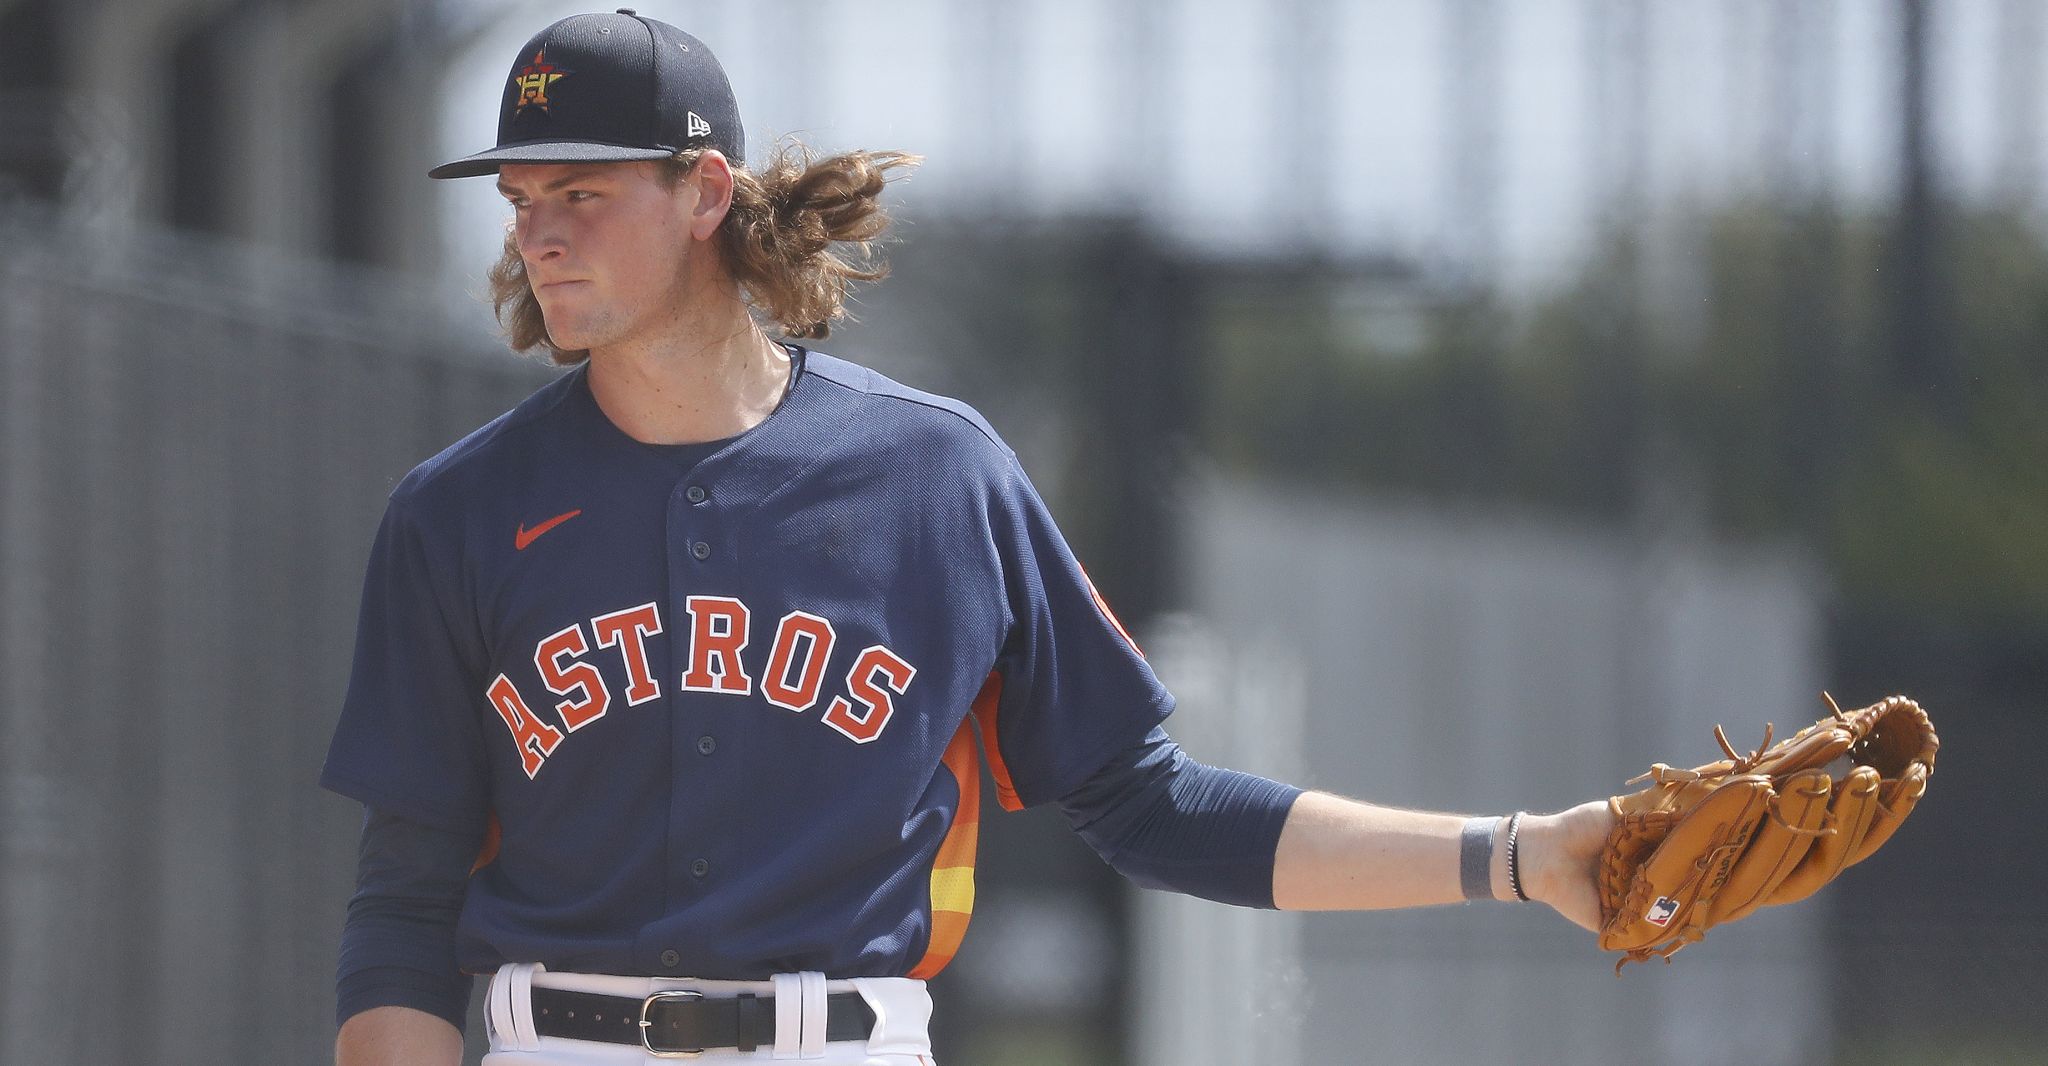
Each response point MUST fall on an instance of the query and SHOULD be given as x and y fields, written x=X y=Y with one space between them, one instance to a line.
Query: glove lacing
x=1738 y=763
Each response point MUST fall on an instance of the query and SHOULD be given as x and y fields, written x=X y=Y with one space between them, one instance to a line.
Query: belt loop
x=510 y=1006
x=498 y=1009
x=903 y=1014
x=813 y=1043
x=789 y=1014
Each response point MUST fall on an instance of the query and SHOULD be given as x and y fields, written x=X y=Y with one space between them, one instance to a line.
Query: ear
x=712 y=178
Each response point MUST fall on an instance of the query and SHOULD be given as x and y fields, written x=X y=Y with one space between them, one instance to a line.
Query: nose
x=539 y=234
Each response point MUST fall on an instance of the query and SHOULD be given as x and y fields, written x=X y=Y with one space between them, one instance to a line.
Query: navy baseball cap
x=608 y=89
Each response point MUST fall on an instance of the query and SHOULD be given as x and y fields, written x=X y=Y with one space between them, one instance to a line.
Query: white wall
x=1478 y=663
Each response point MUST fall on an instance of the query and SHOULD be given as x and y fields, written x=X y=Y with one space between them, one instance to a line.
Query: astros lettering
x=720 y=630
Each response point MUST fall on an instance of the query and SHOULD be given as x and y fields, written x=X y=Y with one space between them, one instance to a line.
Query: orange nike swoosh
x=528 y=536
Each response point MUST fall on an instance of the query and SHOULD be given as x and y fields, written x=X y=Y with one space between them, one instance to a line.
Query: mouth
x=559 y=284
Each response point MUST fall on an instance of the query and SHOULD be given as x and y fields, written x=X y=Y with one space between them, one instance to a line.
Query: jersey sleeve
x=408 y=739
x=1074 y=688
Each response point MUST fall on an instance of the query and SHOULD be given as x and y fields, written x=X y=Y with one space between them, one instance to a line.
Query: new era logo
x=699 y=127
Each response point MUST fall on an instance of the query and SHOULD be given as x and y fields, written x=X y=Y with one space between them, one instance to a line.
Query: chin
x=572 y=335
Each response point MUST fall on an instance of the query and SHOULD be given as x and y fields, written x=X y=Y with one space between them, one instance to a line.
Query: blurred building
x=1451 y=660
x=292 y=124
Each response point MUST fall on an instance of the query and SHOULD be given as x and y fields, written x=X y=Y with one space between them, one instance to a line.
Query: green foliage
x=1771 y=381
x=1956 y=1049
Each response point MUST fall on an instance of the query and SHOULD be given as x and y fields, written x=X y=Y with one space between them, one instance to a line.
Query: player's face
x=605 y=248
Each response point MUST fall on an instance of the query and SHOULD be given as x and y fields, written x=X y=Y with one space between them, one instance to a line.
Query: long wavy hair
x=800 y=232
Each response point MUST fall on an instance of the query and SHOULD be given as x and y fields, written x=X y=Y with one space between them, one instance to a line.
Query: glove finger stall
x=1895 y=801
x=1798 y=811
x=1849 y=819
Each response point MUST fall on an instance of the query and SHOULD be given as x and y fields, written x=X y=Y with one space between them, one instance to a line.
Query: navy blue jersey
x=724 y=722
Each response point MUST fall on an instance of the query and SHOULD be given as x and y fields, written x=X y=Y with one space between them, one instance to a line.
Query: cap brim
x=546 y=152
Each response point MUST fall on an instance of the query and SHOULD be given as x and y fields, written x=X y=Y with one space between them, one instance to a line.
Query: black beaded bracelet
x=1514 y=856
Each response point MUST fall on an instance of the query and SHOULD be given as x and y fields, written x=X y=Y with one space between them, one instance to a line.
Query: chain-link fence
x=194 y=447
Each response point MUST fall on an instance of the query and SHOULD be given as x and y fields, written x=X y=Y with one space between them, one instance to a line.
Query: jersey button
x=671 y=958
x=706 y=745
x=695 y=493
x=700 y=867
x=701 y=550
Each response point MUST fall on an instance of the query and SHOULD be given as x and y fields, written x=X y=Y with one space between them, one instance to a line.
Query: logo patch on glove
x=1662 y=911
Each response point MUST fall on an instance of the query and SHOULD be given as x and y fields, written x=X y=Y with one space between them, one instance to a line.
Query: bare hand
x=1559 y=854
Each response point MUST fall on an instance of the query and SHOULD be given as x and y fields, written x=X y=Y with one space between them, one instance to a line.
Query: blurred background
x=1469 y=402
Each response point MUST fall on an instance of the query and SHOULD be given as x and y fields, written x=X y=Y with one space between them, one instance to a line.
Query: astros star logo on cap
x=638 y=89
x=533 y=80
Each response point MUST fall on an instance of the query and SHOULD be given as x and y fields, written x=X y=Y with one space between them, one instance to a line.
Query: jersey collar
x=803 y=429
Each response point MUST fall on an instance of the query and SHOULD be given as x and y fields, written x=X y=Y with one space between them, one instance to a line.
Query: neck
x=705 y=374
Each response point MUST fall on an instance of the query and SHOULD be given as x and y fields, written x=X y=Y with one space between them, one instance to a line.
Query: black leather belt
x=681 y=1023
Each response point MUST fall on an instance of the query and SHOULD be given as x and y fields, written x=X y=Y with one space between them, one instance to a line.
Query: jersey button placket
x=698 y=568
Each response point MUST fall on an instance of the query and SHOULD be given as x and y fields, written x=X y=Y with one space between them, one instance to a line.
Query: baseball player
x=672 y=684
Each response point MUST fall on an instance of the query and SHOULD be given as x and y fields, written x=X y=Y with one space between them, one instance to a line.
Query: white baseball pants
x=902 y=1009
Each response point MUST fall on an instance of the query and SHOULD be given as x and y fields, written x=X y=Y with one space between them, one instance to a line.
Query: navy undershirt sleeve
x=398 y=942
x=1166 y=821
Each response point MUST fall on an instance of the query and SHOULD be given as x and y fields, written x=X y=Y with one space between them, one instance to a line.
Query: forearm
x=397 y=1036
x=1339 y=854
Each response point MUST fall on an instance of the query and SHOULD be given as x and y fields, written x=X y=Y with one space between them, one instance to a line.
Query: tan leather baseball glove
x=1702 y=847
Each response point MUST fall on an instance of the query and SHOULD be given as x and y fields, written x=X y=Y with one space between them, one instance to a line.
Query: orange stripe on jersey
x=948 y=928
x=953 y=866
x=488 y=853
x=985 y=716
x=1103 y=606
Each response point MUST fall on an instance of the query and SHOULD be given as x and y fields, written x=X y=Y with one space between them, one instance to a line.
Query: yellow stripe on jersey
x=953 y=889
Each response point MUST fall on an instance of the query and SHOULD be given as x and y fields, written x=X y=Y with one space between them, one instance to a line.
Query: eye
x=577 y=196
